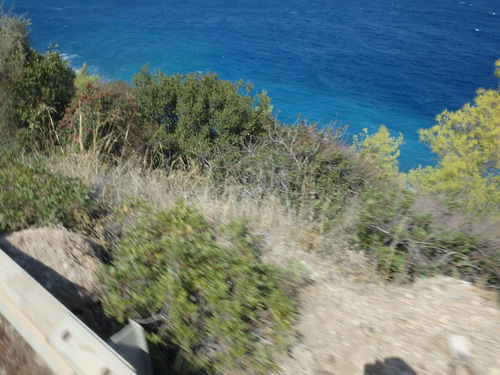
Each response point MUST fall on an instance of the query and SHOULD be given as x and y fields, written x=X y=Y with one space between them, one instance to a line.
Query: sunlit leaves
x=467 y=143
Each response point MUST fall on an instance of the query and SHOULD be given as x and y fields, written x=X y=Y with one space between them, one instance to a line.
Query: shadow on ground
x=390 y=366
x=74 y=297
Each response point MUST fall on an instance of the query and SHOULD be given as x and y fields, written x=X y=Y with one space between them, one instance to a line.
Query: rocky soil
x=349 y=323
x=348 y=326
x=16 y=356
x=369 y=329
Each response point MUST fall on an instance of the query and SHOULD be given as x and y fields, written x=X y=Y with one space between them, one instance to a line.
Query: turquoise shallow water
x=361 y=63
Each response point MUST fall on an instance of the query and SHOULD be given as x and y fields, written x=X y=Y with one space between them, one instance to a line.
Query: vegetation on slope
x=203 y=288
x=200 y=135
x=33 y=196
x=467 y=143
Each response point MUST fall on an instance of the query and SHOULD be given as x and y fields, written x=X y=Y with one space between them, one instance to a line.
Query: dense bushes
x=34 y=88
x=203 y=288
x=32 y=196
x=40 y=95
x=197 y=112
x=310 y=169
x=14 y=46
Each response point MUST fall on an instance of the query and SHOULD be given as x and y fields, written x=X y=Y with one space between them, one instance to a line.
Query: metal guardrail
x=66 y=344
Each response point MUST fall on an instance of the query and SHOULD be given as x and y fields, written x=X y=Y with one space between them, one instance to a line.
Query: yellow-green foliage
x=380 y=149
x=468 y=145
x=83 y=79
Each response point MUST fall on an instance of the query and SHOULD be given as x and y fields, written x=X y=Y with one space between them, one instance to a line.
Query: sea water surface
x=360 y=63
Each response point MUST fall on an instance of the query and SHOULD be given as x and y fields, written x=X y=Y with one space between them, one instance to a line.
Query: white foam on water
x=68 y=57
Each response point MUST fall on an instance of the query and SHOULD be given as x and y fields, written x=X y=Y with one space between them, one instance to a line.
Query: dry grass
x=287 y=237
x=290 y=238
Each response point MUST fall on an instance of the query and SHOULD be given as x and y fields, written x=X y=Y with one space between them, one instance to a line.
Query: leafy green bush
x=14 y=46
x=32 y=196
x=198 y=111
x=41 y=94
x=202 y=288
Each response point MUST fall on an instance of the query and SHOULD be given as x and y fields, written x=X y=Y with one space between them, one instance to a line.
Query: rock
x=459 y=346
x=460 y=349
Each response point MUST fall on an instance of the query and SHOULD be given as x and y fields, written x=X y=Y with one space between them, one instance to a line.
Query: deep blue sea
x=361 y=62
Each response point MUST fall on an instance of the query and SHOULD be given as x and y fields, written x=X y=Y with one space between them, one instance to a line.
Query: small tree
x=83 y=78
x=380 y=149
x=467 y=143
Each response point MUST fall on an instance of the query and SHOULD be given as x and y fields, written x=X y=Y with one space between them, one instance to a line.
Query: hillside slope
x=350 y=324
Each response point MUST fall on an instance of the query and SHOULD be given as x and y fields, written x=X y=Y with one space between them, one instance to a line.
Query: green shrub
x=14 y=46
x=32 y=196
x=41 y=94
x=205 y=289
x=200 y=111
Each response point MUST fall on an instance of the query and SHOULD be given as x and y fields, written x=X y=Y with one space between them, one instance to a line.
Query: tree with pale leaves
x=467 y=143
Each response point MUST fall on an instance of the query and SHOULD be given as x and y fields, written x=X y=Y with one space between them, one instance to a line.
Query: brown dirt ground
x=348 y=326
x=16 y=356
x=352 y=324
